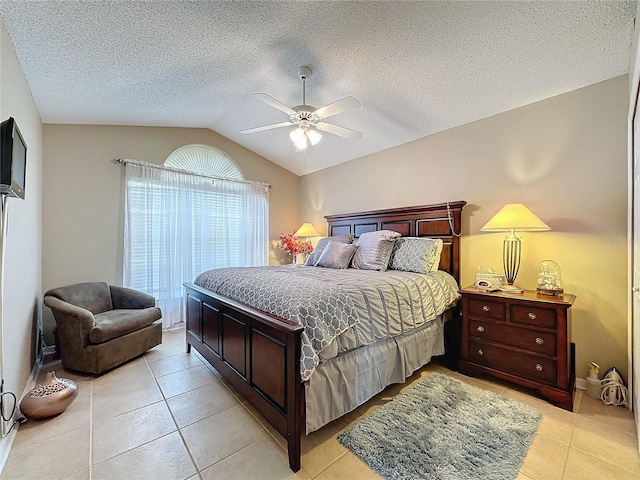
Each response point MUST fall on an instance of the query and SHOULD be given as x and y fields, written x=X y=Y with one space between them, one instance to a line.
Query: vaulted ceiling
x=417 y=67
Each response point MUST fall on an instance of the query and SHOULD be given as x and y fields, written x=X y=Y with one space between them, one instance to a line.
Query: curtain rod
x=124 y=161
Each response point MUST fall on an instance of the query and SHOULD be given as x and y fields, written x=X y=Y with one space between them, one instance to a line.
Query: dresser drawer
x=487 y=309
x=536 y=342
x=517 y=363
x=540 y=317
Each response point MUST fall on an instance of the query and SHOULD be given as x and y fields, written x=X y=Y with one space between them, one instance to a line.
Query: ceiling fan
x=309 y=119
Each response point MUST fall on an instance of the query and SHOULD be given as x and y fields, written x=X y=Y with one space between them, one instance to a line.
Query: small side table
x=524 y=338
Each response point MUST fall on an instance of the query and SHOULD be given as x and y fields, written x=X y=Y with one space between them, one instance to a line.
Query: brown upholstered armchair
x=100 y=327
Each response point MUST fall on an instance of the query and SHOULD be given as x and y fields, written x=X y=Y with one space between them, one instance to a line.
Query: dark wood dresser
x=524 y=338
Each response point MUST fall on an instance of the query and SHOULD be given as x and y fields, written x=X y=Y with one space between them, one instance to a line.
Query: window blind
x=178 y=225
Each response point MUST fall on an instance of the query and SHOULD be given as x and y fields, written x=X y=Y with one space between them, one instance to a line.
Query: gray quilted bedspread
x=365 y=305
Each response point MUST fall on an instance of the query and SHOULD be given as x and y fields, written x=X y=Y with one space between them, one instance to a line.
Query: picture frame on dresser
x=524 y=338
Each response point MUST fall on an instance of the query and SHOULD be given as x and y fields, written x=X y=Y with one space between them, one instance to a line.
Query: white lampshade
x=307 y=230
x=299 y=139
x=515 y=216
x=303 y=135
x=314 y=137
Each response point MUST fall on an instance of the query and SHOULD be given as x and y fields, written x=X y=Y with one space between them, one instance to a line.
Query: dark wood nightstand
x=524 y=338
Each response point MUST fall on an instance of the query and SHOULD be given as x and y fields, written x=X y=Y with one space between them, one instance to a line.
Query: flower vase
x=50 y=398
x=299 y=258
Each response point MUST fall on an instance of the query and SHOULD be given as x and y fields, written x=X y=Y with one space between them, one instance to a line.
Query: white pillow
x=374 y=250
x=415 y=254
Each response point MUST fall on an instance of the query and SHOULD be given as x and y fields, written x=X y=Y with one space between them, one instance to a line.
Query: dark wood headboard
x=433 y=221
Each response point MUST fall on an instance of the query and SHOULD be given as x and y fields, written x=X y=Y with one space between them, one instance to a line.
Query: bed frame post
x=296 y=407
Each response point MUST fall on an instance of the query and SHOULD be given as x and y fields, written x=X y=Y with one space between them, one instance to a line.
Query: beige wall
x=565 y=158
x=634 y=270
x=83 y=194
x=22 y=309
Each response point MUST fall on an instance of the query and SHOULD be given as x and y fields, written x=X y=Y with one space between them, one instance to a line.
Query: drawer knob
x=480 y=352
x=532 y=316
x=539 y=341
x=539 y=367
x=480 y=329
x=485 y=308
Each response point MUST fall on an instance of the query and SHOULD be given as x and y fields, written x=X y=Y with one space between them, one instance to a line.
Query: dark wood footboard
x=256 y=353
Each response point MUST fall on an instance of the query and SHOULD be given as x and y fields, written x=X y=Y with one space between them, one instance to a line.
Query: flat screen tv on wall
x=13 y=159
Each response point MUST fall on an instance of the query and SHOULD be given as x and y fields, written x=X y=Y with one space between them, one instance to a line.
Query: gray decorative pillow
x=374 y=250
x=315 y=255
x=336 y=255
x=414 y=254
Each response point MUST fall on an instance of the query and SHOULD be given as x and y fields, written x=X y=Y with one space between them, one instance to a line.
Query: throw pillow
x=337 y=255
x=374 y=250
x=315 y=255
x=414 y=254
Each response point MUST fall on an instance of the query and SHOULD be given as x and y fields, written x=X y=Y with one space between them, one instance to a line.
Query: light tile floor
x=166 y=415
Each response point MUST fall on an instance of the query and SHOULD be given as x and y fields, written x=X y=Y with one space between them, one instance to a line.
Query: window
x=180 y=224
x=206 y=160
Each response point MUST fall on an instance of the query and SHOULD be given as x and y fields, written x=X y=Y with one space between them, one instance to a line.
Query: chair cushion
x=92 y=296
x=116 y=323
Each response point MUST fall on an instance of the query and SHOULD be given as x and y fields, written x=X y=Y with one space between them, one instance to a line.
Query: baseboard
x=6 y=442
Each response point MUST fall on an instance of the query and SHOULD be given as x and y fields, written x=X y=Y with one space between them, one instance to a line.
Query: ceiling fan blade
x=339 y=106
x=269 y=100
x=340 y=131
x=267 y=127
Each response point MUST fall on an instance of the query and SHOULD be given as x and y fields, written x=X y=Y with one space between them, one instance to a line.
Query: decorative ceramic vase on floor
x=50 y=398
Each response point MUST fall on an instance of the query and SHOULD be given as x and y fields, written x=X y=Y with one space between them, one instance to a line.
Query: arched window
x=206 y=160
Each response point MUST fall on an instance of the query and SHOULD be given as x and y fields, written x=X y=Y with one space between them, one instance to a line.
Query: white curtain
x=178 y=225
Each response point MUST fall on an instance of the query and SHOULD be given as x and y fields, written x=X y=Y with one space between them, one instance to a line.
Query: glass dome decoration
x=549 y=279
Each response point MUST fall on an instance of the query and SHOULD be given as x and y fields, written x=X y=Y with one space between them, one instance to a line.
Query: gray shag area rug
x=445 y=429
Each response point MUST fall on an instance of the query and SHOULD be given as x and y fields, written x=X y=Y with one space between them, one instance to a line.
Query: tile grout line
x=236 y=452
x=131 y=411
x=333 y=463
x=603 y=460
x=91 y=430
x=182 y=439
x=566 y=458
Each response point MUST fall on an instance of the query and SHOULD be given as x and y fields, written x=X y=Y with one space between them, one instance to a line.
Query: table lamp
x=511 y=218
x=305 y=231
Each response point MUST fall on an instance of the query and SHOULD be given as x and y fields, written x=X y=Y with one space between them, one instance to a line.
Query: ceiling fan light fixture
x=299 y=139
x=314 y=136
x=297 y=135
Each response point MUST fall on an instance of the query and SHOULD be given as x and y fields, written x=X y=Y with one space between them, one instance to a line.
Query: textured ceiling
x=416 y=67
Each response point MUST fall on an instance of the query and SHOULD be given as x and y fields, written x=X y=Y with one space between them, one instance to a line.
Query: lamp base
x=511 y=289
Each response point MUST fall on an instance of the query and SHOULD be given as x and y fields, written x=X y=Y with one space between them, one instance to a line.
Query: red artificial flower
x=293 y=245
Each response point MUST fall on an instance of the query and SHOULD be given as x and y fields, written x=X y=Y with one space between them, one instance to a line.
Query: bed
x=298 y=390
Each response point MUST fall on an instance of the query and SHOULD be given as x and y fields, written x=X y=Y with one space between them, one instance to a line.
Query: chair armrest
x=62 y=310
x=122 y=297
